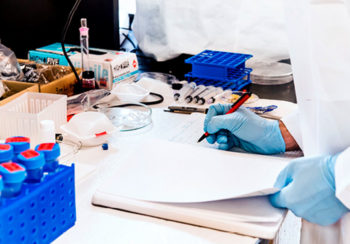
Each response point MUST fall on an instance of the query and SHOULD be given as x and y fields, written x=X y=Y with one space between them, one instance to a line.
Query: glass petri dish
x=128 y=117
x=270 y=73
x=167 y=78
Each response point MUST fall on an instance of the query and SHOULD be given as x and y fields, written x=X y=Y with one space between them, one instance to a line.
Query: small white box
x=110 y=68
x=22 y=116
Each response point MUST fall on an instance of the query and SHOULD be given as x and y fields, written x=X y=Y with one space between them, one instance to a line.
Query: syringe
x=206 y=91
x=222 y=95
x=210 y=95
x=88 y=77
x=199 y=89
x=184 y=91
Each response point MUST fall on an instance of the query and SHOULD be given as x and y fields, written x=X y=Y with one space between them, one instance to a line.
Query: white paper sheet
x=254 y=209
x=164 y=171
x=247 y=216
x=182 y=128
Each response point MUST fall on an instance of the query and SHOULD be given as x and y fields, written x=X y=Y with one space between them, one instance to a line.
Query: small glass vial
x=34 y=162
x=13 y=175
x=51 y=152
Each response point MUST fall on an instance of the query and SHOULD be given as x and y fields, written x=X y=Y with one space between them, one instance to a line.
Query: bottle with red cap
x=19 y=144
x=13 y=175
x=6 y=153
x=34 y=163
x=51 y=152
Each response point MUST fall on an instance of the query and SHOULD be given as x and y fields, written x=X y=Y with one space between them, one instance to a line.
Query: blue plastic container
x=1 y=187
x=34 y=162
x=13 y=176
x=233 y=85
x=220 y=69
x=217 y=65
x=6 y=153
x=51 y=152
x=42 y=212
x=19 y=144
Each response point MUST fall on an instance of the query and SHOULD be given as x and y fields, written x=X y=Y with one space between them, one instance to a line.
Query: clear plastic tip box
x=222 y=69
x=42 y=212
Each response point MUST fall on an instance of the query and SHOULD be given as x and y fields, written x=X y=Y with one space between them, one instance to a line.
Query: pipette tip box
x=42 y=212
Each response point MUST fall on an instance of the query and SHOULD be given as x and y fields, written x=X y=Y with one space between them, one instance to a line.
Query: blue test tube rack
x=220 y=69
x=42 y=212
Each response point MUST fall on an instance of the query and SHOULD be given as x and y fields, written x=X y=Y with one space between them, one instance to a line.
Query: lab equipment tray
x=220 y=69
x=218 y=65
x=42 y=212
x=234 y=85
x=22 y=115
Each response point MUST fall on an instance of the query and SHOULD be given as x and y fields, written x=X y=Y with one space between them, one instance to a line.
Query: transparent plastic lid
x=270 y=72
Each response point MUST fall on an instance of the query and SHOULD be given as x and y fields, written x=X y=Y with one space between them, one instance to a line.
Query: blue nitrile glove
x=243 y=129
x=308 y=189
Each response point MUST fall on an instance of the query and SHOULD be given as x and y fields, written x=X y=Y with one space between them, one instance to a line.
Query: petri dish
x=167 y=78
x=128 y=117
x=270 y=73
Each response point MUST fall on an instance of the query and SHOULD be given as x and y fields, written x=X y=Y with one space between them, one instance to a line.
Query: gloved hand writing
x=308 y=190
x=243 y=129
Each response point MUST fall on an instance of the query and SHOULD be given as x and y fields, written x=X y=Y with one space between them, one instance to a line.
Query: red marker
x=234 y=107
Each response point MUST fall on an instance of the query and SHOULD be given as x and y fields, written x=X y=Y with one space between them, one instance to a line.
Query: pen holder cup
x=42 y=211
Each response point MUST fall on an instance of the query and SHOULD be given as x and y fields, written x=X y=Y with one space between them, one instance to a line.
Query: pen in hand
x=234 y=107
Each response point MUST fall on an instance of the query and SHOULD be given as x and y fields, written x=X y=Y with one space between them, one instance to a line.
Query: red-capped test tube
x=13 y=175
x=19 y=144
x=6 y=153
x=34 y=162
x=51 y=152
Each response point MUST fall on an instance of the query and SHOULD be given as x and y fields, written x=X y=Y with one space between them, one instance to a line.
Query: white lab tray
x=22 y=116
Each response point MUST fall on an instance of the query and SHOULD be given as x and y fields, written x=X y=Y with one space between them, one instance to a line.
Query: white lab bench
x=95 y=224
x=103 y=225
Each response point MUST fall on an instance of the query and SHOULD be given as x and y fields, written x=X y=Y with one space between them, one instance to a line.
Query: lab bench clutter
x=38 y=195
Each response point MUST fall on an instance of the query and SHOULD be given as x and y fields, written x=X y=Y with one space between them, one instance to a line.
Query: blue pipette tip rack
x=220 y=69
x=42 y=211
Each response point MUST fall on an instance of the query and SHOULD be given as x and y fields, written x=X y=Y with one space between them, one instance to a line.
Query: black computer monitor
x=26 y=25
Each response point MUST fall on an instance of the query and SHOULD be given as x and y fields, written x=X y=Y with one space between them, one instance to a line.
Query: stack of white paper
x=197 y=185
